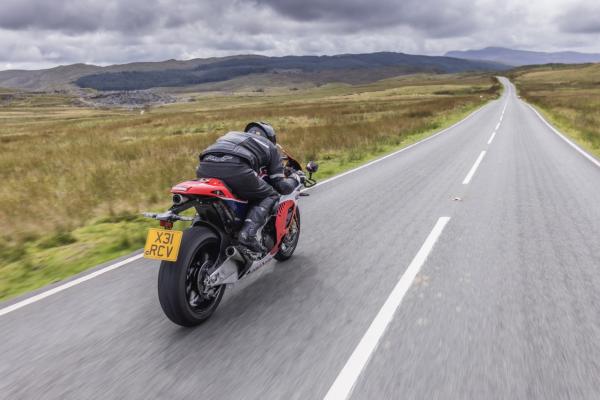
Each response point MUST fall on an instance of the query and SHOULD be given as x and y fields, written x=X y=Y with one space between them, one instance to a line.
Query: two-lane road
x=467 y=266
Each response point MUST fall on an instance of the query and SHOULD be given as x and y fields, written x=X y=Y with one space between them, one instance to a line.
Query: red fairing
x=284 y=218
x=211 y=187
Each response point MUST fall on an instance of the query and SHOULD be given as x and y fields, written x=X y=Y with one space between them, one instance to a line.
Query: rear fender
x=224 y=239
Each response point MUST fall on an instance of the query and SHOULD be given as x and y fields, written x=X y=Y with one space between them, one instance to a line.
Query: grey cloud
x=239 y=44
x=581 y=18
x=435 y=18
x=78 y=16
x=23 y=14
x=438 y=18
x=36 y=33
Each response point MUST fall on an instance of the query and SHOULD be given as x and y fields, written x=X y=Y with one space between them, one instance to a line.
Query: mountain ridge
x=180 y=73
x=515 y=57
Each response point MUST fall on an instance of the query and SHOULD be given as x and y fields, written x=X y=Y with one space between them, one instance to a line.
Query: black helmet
x=263 y=129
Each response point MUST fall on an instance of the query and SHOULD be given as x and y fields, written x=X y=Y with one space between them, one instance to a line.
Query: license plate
x=162 y=244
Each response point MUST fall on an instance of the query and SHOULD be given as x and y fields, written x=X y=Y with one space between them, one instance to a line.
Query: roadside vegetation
x=75 y=179
x=568 y=96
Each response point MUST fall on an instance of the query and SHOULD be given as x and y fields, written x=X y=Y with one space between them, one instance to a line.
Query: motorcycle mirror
x=312 y=167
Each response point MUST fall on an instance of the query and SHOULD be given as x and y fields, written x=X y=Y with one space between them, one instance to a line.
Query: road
x=440 y=272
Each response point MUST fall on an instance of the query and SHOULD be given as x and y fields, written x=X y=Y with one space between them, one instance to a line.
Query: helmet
x=263 y=129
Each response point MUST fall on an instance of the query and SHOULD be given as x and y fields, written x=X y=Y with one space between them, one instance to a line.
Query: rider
x=236 y=159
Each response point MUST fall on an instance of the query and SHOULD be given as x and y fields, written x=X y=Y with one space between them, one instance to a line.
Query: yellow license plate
x=162 y=244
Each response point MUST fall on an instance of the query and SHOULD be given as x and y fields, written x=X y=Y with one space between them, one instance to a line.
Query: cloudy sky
x=44 y=33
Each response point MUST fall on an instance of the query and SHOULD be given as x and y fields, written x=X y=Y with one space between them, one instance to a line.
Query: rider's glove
x=299 y=180
x=288 y=172
x=301 y=176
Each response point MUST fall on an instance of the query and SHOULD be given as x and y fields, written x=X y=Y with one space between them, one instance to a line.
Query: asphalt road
x=384 y=299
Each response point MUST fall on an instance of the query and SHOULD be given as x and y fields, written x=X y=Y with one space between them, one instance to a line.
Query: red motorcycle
x=200 y=261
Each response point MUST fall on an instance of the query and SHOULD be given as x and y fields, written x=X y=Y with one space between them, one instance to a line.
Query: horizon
x=288 y=55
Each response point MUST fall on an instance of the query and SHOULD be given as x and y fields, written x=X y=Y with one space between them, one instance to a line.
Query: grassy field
x=568 y=96
x=75 y=179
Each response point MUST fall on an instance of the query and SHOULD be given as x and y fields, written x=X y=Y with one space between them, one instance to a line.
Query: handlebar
x=309 y=182
x=295 y=166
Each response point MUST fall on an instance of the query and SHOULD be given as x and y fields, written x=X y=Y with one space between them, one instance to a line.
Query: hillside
x=349 y=68
x=62 y=77
x=523 y=57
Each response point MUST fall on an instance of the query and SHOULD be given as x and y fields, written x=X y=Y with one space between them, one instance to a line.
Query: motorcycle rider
x=236 y=158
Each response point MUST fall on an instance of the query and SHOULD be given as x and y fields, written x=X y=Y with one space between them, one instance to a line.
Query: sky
x=38 y=34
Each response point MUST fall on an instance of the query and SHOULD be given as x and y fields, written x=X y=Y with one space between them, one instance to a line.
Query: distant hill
x=351 y=68
x=523 y=57
x=63 y=76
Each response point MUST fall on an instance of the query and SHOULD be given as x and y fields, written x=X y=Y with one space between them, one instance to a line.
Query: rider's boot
x=255 y=219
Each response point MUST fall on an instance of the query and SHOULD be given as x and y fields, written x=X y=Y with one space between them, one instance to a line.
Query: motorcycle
x=198 y=263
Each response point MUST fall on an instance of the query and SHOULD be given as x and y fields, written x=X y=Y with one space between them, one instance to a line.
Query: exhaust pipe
x=234 y=254
x=229 y=271
x=179 y=199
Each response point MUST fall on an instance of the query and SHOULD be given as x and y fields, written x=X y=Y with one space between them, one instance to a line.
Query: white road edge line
x=346 y=380
x=94 y=274
x=492 y=137
x=67 y=285
x=474 y=168
x=563 y=137
x=333 y=178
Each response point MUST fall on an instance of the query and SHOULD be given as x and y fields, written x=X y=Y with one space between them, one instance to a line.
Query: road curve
x=467 y=266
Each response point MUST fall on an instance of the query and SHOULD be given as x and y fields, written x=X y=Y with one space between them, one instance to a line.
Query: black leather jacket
x=258 y=152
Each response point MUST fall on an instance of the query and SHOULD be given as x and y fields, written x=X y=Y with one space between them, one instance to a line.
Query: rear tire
x=290 y=241
x=178 y=283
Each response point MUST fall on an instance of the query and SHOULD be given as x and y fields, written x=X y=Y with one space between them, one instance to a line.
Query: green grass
x=75 y=179
x=568 y=96
x=334 y=164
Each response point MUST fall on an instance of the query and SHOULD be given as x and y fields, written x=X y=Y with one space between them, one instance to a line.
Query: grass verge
x=568 y=97
x=565 y=126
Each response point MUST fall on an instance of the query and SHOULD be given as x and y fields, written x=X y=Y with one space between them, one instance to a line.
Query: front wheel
x=290 y=240
x=181 y=291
